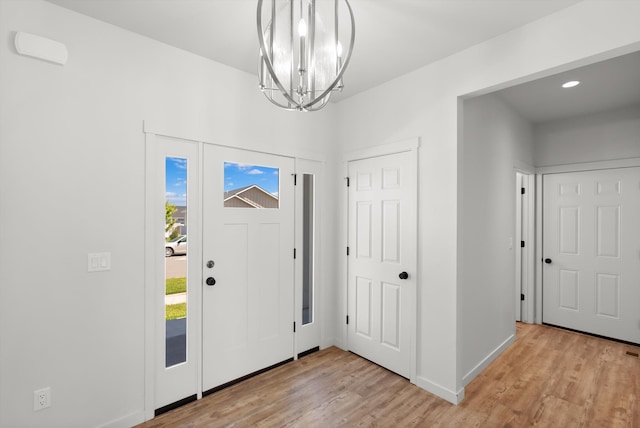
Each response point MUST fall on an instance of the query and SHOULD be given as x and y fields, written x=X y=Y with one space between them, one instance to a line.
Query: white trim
x=589 y=166
x=439 y=390
x=127 y=421
x=487 y=360
x=524 y=167
x=538 y=258
x=164 y=130
x=529 y=294
x=149 y=269
x=382 y=150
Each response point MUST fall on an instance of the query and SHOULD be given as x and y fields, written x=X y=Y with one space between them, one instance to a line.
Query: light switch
x=98 y=262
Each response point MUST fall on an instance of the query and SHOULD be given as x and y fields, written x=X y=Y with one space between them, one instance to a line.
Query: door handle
x=211 y=281
x=548 y=261
x=403 y=275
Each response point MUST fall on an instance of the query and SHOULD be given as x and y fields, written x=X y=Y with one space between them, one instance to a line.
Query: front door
x=591 y=252
x=248 y=208
x=382 y=259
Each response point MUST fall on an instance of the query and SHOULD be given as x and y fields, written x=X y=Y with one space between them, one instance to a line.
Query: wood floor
x=548 y=378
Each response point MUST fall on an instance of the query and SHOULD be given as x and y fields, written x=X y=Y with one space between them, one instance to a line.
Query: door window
x=250 y=186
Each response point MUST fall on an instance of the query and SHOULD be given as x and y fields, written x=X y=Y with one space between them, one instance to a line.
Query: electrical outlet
x=41 y=398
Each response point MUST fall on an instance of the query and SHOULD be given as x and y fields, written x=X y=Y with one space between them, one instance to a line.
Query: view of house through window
x=250 y=186
x=175 y=249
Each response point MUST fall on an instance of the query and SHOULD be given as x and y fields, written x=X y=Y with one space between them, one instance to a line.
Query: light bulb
x=339 y=49
x=302 y=28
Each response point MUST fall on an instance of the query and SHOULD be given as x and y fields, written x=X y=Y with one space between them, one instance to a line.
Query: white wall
x=424 y=103
x=495 y=139
x=72 y=180
x=597 y=137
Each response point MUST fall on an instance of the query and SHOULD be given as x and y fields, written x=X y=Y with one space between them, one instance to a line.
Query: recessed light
x=570 y=84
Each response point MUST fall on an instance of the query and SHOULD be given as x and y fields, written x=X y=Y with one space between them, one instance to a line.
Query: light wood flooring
x=548 y=378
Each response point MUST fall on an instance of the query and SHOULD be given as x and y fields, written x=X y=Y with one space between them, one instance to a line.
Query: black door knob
x=403 y=275
x=211 y=281
x=548 y=261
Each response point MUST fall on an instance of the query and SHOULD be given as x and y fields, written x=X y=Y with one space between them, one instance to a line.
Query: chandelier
x=301 y=50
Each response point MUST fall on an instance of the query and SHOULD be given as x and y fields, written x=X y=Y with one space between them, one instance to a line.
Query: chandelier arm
x=269 y=64
x=344 y=64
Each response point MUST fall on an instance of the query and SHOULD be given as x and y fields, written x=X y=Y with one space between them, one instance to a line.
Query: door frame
x=557 y=169
x=408 y=145
x=151 y=130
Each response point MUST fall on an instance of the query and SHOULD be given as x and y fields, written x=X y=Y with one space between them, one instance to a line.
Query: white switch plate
x=98 y=262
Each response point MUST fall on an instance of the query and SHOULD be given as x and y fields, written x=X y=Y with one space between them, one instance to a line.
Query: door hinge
x=348 y=181
x=294 y=326
x=294 y=253
x=295 y=179
x=347 y=319
x=521 y=296
x=347 y=251
x=522 y=244
x=522 y=191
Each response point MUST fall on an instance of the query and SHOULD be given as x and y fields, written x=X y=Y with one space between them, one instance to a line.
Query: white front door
x=591 y=252
x=248 y=207
x=382 y=259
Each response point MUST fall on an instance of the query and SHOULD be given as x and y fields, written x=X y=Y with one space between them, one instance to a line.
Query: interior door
x=247 y=263
x=382 y=259
x=591 y=252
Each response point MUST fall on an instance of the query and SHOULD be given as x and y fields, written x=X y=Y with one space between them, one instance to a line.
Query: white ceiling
x=393 y=37
x=604 y=86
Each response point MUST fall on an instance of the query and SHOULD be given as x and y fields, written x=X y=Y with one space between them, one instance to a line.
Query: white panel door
x=382 y=247
x=591 y=251
x=248 y=238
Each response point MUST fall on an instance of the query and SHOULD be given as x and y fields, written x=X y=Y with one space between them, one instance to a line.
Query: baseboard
x=439 y=390
x=127 y=421
x=487 y=360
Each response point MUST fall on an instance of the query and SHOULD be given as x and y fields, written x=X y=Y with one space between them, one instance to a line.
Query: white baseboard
x=127 y=421
x=439 y=390
x=487 y=360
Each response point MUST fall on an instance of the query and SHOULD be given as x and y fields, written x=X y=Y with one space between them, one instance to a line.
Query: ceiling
x=393 y=37
x=604 y=86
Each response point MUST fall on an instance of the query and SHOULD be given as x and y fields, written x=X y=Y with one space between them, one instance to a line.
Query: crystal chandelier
x=301 y=50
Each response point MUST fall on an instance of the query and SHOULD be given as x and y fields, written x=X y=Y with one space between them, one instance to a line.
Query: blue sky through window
x=176 y=181
x=237 y=175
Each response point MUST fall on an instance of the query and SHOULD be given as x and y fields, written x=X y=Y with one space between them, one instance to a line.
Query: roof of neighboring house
x=242 y=194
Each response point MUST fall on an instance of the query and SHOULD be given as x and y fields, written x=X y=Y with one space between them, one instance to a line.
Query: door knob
x=403 y=275
x=548 y=261
x=211 y=281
